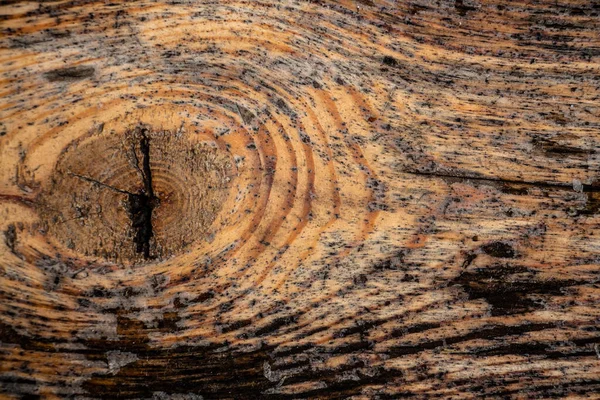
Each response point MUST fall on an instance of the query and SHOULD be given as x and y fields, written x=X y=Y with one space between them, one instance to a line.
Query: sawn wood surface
x=300 y=199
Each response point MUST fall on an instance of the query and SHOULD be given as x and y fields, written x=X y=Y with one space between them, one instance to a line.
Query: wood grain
x=300 y=199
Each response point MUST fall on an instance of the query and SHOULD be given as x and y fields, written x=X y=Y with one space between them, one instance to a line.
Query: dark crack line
x=559 y=186
x=136 y=160
x=142 y=204
x=92 y=180
x=145 y=147
x=64 y=221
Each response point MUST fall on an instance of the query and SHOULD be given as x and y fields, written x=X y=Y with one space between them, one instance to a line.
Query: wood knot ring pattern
x=133 y=197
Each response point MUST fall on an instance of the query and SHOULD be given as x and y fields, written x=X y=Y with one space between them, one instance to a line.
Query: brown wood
x=300 y=199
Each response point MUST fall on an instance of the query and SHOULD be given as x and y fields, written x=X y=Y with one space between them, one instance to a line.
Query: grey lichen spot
x=117 y=359
x=269 y=374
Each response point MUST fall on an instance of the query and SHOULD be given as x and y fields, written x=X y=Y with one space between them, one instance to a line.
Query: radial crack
x=142 y=204
x=97 y=182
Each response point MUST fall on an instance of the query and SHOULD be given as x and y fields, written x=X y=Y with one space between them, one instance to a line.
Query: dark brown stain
x=462 y=8
x=389 y=61
x=10 y=238
x=508 y=289
x=592 y=204
x=70 y=74
x=499 y=250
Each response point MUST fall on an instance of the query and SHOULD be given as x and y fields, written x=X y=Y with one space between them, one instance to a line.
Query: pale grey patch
x=105 y=326
x=269 y=374
x=118 y=359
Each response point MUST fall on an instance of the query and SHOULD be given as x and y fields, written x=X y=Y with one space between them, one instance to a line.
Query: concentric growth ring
x=134 y=196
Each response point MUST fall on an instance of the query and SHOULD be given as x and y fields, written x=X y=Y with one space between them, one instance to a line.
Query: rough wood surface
x=300 y=199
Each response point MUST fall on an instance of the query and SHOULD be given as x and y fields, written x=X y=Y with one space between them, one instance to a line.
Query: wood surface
x=300 y=199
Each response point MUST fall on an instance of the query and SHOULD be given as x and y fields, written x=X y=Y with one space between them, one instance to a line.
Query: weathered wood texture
x=300 y=199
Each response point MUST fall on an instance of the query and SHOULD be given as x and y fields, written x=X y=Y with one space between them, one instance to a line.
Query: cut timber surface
x=300 y=199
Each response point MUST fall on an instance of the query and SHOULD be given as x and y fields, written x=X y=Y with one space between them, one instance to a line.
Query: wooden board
x=300 y=199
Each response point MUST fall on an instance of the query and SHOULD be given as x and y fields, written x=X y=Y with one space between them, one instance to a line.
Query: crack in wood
x=97 y=182
x=142 y=204
x=586 y=188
